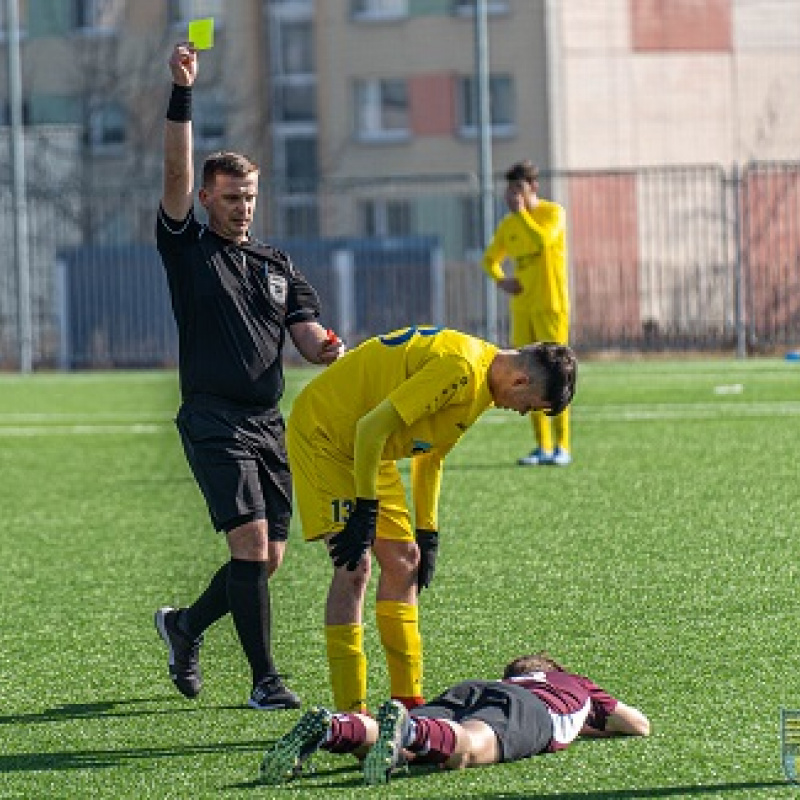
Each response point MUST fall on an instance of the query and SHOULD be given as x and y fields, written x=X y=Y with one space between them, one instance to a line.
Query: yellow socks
x=398 y=624
x=561 y=429
x=541 y=431
x=348 y=667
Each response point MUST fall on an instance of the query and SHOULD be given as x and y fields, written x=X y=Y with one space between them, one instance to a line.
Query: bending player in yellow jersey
x=409 y=394
x=533 y=236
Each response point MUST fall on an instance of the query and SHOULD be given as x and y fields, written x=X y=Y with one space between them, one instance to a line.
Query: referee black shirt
x=232 y=304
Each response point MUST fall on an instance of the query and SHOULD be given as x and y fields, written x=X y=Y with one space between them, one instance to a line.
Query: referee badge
x=277 y=288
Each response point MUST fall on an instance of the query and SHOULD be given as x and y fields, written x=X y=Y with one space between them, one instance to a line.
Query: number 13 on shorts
x=341 y=508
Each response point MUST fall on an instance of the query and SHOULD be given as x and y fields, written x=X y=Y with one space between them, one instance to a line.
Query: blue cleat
x=536 y=458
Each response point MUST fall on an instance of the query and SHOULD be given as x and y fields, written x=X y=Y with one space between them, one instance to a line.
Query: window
x=106 y=127
x=209 y=117
x=300 y=155
x=181 y=11
x=296 y=50
x=465 y=7
x=471 y=223
x=294 y=101
x=381 y=108
x=502 y=112
x=99 y=15
x=5 y=113
x=299 y=218
x=380 y=9
x=385 y=217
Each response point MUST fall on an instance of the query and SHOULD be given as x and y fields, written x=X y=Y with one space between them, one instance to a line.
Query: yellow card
x=201 y=33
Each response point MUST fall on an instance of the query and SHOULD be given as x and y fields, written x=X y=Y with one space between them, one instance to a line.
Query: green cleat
x=284 y=760
x=386 y=755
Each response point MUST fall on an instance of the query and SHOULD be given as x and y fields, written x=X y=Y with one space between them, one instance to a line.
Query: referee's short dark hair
x=523 y=171
x=225 y=162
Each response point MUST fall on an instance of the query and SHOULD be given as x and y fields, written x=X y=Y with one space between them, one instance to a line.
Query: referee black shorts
x=519 y=719
x=238 y=457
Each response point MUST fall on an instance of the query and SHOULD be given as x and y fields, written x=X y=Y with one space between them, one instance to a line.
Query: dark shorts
x=519 y=719
x=238 y=457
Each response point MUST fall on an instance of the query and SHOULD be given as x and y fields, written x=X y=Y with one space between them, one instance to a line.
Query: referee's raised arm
x=176 y=199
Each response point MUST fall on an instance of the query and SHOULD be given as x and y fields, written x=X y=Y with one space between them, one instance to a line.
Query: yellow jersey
x=436 y=379
x=536 y=241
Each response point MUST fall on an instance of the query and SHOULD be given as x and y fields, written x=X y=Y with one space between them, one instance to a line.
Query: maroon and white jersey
x=572 y=700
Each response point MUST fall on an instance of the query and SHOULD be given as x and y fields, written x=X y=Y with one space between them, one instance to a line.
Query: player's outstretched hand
x=349 y=545
x=428 y=543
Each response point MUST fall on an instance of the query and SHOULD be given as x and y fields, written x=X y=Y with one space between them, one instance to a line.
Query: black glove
x=358 y=534
x=428 y=543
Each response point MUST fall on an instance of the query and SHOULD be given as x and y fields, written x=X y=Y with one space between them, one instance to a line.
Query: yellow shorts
x=324 y=486
x=541 y=326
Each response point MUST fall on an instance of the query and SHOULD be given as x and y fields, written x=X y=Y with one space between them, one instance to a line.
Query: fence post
x=345 y=292
x=17 y=142
x=437 y=287
x=61 y=308
x=738 y=265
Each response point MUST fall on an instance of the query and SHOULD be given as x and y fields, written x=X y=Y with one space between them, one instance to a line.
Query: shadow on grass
x=353 y=775
x=349 y=776
x=108 y=708
x=97 y=759
x=653 y=791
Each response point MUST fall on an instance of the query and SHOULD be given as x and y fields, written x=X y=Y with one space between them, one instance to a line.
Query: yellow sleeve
x=429 y=389
x=546 y=223
x=426 y=483
x=494 y=255
x=372 y=431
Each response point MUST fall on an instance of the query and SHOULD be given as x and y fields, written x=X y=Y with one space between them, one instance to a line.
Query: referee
x=234 y=299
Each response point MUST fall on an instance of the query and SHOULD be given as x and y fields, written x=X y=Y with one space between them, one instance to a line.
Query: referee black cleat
x=184 y=653
x=270 y=694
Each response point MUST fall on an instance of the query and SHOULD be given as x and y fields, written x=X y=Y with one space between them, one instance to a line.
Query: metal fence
x=671 y=258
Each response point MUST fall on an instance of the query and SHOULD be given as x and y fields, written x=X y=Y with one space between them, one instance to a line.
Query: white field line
x=44 y=424
x=667 y=411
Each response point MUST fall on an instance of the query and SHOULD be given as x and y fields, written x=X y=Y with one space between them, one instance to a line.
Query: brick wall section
x=681 y=25
x=771 y=249
x=603 y=239
x=432 y=102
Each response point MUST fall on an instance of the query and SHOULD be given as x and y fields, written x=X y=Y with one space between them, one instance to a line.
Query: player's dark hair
x=560 y=368
x=537 y=662
x=523 y=171
x=226 y=163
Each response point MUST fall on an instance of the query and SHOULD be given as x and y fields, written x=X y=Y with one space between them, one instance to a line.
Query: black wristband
x=180 y=104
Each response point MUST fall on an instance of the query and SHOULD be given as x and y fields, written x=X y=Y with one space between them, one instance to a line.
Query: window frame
x=376 y=215
x=466 y=87
x=86 y=13
x=373 y=10
x=181 y=12
x=369 y=99
x=466 y=8
x=98 y=128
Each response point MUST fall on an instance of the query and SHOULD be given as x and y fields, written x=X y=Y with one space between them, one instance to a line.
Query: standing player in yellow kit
x=533 y=235
x=409 y=394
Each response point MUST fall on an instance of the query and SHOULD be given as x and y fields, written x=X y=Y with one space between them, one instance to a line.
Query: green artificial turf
x=663 y=563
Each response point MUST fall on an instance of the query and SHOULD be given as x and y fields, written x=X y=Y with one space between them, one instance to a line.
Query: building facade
x=647 y=118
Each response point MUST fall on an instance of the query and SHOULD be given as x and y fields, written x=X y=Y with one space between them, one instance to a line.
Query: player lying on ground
x=537 y=707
